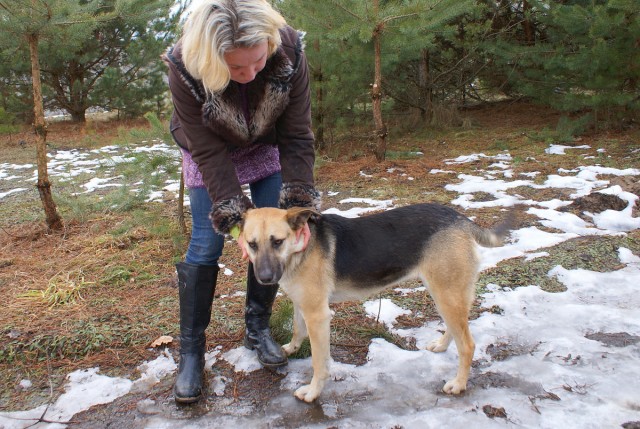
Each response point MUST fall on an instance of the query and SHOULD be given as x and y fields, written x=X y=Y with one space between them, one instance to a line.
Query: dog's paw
x=438 y=346
x=454 y=387
x=290 y=349
x=306 y=393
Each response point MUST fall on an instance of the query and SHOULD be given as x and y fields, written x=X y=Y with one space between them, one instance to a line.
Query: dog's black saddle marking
x=379 y=249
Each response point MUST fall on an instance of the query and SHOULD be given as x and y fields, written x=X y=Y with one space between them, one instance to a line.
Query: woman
x=240 y=88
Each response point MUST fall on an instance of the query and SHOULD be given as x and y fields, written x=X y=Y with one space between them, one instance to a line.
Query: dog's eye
x=277 y=243
x=253 y=245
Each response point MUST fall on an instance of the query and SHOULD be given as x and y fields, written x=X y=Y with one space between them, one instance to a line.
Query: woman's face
x=245 y=63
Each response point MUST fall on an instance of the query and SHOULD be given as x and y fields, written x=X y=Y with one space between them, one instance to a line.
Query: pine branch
x=392 y=18
x=349 y=12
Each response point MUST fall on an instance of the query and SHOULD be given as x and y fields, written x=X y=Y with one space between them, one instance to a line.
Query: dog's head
x=269 y=237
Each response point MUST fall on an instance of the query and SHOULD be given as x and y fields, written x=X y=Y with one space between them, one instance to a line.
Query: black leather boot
x=257 y=337
x=196 y=285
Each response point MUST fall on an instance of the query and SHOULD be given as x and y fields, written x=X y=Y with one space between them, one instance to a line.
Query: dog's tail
x=495 y=236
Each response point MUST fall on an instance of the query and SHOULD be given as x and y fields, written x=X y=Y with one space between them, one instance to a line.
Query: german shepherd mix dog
x=321 y=258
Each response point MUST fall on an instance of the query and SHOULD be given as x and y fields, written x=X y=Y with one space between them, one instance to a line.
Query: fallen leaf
x=493 y=412
x=162 y=341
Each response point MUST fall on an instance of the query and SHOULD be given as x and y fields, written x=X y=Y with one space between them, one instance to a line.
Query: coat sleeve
x=296 y=141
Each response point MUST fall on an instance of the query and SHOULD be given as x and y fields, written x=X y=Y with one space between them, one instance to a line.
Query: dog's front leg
x=318 y=323
x=299 y=332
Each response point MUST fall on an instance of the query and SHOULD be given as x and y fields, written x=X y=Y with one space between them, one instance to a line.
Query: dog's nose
x=266 y=281
x=266 y=276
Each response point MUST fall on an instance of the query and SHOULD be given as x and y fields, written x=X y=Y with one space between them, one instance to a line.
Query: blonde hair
x=214 y=27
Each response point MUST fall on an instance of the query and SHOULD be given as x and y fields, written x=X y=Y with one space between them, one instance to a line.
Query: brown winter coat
x=211 y=126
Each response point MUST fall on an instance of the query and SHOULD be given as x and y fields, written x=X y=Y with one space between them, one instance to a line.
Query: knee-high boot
x=196 y=285
x=259 y=301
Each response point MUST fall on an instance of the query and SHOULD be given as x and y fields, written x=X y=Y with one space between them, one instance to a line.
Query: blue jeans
x=206 y=245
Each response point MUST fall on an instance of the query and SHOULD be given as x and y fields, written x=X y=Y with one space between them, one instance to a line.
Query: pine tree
x=15 y=80
x=101 y=54
x=584 y=60
x=60 y=29
x=339 y=65
x=32 y=21
x=435 y=60
x=117 y=66
x=362 y=42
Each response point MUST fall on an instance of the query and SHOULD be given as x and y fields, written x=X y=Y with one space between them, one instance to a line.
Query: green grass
x=64 y=288
x=9 y=129
x=281 y=324
x=594 y=253
x=80 y=340
x=399 y=154
x=346 y=332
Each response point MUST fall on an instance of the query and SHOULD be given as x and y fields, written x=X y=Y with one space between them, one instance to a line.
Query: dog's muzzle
x=266 y=274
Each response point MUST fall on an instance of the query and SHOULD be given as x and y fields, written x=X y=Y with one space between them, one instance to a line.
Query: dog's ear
x=298 y=216
x=243 y=219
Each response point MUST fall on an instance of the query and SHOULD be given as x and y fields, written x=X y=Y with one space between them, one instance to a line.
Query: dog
x=322 y=258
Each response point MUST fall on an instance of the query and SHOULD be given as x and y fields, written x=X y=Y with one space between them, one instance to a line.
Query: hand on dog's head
x=299 y=216
x=299 y=220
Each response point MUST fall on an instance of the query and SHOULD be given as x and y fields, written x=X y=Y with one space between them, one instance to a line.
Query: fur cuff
x=226 y=214
x=292 y=195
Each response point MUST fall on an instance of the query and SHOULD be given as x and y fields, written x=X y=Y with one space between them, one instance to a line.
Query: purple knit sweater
x=252 y=164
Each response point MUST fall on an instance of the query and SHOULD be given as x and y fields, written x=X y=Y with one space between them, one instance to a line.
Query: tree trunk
x=77 y=96
x=426 y=89
x=78 y=116
x=54 y=222
x=318 y=115
x=380 y=148
x=529 y=32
